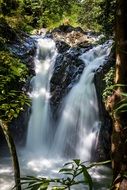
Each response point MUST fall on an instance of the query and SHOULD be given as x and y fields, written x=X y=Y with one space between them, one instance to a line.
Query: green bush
x=13 y=74
x=109 y=81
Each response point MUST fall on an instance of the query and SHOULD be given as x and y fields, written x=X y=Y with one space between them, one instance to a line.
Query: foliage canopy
x=90 y=14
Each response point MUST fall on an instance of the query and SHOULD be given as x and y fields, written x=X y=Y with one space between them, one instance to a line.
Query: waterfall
x=79 y=124
x=39 y=131
x=76 y=132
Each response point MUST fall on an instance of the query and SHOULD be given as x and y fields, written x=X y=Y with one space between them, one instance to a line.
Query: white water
x=39 y=131
x=78 y=126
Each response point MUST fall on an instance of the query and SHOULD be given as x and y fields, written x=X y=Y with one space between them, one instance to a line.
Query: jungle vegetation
x=104 y=16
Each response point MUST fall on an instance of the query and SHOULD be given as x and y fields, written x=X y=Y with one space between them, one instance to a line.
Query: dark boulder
x=62 y=46
x=67 y=29
x=67 y=71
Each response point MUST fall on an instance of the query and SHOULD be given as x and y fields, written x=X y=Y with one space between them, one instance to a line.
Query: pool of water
x=37 y=165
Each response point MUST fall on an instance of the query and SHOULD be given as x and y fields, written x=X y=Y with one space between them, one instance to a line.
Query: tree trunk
x=119 y=134
x=13 y=153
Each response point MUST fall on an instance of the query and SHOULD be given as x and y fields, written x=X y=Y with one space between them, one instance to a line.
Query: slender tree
x=13 y=153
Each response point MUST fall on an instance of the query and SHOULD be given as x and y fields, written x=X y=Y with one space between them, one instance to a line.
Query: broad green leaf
x=87 y=177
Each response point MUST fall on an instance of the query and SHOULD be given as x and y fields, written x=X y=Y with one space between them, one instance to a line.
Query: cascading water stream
x=79 y=124
x=39 y=131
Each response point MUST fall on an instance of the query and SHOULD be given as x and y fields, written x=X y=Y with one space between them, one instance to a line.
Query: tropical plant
x=109 y=82
x=71 y=172
x=75 y=173
x=13 y=76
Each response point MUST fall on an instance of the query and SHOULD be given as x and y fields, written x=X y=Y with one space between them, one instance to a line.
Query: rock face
x=67 y=71
x=68 y=67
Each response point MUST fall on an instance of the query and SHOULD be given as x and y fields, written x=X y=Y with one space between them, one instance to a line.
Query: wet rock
x=67 y=71
x=104 y=142
x=25 y=50
x=62 y=46
x=18 y=43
